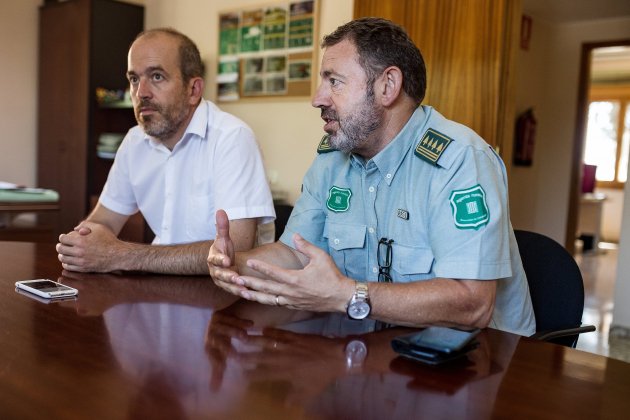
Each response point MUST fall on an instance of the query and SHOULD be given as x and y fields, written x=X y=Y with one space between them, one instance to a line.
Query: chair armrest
x=550 y=335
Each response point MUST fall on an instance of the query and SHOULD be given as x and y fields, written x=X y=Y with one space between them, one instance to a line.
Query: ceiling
x=608 y=64
x=568 y=11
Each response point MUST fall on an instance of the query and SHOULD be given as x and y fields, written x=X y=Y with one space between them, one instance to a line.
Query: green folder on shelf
x=28 y=194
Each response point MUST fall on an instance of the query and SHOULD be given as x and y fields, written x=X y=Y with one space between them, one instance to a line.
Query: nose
x=321 y=99
x=143 y=90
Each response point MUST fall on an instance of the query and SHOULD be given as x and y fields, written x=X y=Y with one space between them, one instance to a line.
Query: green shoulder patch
x=324 y=145
x=432 y=145
x=470 y=210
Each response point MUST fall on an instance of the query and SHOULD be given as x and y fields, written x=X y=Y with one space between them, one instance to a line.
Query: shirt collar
x=196 y=127
x=391 y=157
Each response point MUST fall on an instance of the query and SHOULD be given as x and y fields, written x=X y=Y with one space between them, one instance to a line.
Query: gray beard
x=357 y=127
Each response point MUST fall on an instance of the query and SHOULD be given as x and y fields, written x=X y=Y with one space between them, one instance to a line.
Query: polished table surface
x=139 y=346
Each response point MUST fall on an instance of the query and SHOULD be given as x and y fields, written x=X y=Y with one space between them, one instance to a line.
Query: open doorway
x=602 y=139
x=604 y=71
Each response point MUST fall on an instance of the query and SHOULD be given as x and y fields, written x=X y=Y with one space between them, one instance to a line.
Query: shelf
x=106 y=155
x=117 y=104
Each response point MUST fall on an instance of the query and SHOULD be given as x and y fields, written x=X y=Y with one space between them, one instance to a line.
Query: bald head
x=188 y=57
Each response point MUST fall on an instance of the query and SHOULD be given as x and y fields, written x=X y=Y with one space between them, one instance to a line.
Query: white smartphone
x=46 y=288
x=43 y=299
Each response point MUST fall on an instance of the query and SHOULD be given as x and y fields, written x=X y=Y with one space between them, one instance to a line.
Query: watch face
x=358 y=309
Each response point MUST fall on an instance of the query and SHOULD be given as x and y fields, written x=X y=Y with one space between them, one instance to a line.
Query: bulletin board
x=267 y=51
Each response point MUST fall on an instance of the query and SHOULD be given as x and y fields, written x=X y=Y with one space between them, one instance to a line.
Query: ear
x=195 y=86
x=390 y=85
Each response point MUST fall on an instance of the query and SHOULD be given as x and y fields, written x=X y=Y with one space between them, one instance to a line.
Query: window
x=608 y=139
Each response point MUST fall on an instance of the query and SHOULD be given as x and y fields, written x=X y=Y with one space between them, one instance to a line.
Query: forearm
x=448 y=302
x=186 y=259
x=275 y=253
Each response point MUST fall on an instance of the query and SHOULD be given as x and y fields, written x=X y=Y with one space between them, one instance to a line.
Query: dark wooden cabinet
x=83 y=45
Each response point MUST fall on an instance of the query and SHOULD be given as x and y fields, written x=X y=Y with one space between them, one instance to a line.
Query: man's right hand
x=222 y=258
x=90 y=247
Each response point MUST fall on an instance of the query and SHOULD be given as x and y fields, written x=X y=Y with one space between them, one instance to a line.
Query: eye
x=133 y=79
x=334 y=82
x=157 y=77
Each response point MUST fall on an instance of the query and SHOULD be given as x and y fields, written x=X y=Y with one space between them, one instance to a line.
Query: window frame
x=621 y=94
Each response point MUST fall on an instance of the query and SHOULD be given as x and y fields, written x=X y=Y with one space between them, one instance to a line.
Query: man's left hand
x=91 y=247
x=319 y=286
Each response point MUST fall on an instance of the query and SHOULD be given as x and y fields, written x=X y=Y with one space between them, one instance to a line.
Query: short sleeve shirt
x=440 y=193
x=217 y=164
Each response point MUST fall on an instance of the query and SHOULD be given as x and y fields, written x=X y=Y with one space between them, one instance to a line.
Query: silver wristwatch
x=359 y=305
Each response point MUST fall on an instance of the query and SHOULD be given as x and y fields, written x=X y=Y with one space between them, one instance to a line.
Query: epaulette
x=324 y=145
x=432 y=145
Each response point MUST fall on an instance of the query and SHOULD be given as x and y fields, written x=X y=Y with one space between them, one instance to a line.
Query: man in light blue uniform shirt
x=403 y=215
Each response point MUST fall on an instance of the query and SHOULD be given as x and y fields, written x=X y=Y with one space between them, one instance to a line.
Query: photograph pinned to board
x=267 y=51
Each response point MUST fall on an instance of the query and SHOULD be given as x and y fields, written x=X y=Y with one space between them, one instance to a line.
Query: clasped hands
x=90 y=247
x=312 y=282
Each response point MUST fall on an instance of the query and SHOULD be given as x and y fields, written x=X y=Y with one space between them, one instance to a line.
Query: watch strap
x=361 y=291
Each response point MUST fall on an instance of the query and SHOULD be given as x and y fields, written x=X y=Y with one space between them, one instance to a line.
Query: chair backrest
x=283 y=211
x=555 y=283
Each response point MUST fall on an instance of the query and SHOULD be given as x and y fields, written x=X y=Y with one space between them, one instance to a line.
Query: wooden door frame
x=581 y=119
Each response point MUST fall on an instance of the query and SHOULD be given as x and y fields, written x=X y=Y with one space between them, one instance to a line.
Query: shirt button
x=371 y=230
x=388 y=176
x=371 y=189
x=374 y=269
x=336 y=241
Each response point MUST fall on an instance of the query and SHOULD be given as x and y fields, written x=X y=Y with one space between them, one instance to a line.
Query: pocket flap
x=411 y=260
x=345 y=236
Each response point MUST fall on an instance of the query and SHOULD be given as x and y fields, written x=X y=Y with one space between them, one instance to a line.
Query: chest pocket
x=411 y=263
x=345 y=244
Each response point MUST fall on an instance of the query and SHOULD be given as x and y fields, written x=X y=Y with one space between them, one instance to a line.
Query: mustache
x=329 y=114
x=146 y=103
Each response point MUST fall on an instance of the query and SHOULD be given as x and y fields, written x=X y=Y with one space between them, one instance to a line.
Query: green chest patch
x=338 y=199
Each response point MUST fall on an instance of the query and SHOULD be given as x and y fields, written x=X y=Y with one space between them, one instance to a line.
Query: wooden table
x=153 y=347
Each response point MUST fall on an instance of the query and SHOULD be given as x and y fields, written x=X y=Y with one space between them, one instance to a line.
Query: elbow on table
x=481 y=315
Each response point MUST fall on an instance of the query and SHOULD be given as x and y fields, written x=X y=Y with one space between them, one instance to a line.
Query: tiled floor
x=599 y=272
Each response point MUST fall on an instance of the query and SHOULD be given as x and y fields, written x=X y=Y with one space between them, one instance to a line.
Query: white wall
x=18 y=87
x=288 y=130
x=531 y=81
x=548 y=81
x=612 y=214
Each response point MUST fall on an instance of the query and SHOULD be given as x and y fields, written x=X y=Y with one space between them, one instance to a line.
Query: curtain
x=469 y=50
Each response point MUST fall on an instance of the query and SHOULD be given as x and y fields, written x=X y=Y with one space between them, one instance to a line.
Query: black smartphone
x=436 y=345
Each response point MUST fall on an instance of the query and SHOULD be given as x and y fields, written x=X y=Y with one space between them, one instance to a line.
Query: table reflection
x=191 y=349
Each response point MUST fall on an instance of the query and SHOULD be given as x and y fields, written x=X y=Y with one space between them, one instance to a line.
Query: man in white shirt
x=184 y=160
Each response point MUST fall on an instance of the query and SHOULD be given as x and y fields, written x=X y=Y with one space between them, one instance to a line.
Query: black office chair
x=283 y=211
x=556 y=288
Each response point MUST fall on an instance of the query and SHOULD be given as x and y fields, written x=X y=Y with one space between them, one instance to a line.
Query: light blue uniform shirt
x=440 y=192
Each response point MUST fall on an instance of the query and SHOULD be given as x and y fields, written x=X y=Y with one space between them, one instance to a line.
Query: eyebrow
x=147 y=71
x=329 y=73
